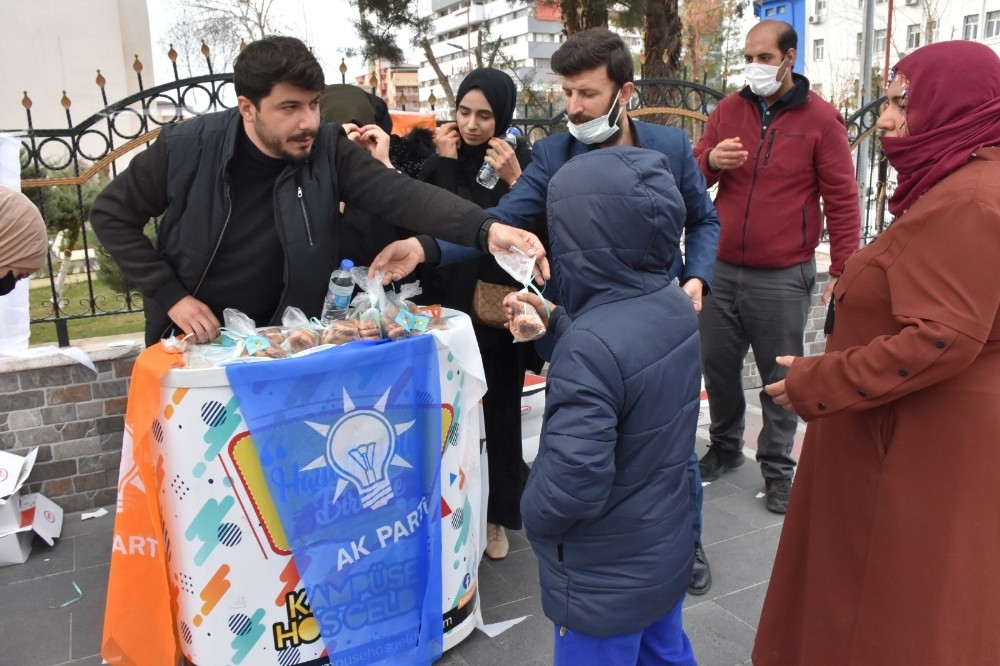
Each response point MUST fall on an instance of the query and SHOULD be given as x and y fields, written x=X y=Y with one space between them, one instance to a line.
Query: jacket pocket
x=886 y=430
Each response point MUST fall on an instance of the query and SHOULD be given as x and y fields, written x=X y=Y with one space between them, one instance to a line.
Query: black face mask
x=7 y=283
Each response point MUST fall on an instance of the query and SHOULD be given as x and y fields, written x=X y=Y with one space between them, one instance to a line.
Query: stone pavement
x=740 y=537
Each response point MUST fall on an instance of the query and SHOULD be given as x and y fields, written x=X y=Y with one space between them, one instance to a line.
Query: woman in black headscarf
x=485 y=107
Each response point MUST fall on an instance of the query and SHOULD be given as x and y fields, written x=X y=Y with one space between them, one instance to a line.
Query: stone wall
x=76 y=419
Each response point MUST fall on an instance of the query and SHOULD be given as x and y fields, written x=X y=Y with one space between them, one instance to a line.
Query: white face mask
x=763 y=79
x=599 y=129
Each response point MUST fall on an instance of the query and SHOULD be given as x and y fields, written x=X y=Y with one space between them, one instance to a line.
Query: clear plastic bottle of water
x=488 y=176
x=338 y=296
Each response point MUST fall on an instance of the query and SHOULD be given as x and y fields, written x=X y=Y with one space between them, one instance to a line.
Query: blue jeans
x=662 y=643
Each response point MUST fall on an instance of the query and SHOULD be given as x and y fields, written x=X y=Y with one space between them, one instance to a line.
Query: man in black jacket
x=249 y=198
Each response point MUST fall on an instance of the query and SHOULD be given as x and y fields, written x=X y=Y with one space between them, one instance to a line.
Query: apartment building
x=833 y=40
x=530 y=32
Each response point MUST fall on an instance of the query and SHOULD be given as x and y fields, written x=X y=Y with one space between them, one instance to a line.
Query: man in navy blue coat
x=597 y=72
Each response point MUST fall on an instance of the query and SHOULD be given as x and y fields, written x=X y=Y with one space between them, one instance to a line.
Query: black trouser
x=764 y=310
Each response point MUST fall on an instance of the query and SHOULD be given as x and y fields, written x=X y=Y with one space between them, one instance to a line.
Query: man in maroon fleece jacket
x=775 y=149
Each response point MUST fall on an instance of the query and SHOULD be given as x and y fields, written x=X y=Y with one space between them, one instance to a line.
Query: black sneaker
x=777 y=491
x=701 y=574
x=714 y=463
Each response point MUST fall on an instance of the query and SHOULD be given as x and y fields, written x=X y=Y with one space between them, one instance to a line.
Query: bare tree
x=208 y=34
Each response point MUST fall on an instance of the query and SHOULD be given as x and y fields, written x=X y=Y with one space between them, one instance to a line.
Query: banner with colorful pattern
x=202 y=559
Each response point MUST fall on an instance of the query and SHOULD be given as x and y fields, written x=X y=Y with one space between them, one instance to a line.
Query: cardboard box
x=23 y=516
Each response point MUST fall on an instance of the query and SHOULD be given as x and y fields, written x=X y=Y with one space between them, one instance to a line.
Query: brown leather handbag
x=487 y=303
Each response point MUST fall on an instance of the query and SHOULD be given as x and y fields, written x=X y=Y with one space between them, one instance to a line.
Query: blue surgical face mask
x=599 y=129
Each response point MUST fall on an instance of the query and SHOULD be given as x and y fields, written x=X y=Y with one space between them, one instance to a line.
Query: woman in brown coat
x=889 y=551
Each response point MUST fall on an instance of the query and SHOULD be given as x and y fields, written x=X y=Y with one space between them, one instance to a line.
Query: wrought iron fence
x=101 y=145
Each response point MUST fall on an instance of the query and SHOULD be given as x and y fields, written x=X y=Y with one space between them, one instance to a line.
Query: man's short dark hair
x=787 y=39
x=272 y=60
x=592 y=48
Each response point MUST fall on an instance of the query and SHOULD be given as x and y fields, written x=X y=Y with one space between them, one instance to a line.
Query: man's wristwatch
x=484 y=234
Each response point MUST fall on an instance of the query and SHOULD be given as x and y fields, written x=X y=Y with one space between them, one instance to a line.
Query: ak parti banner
x=347 y=444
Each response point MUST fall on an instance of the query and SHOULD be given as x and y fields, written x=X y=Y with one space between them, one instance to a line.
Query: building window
x=769 y=11
x=912 y=36
x=970 y=26
x=992 y=24
x=781 y=9
x=859 y=45
x=880 y=41
x=879 y=2
x=818 y=45
x=820 y=7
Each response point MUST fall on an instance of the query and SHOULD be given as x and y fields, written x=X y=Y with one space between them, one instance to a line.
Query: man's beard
x=276 y=144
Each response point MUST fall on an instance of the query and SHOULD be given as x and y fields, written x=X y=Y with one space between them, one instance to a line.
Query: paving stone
x=74 y=526
x=92 y=549
x=745 y=604
x=718 y=637
x=718 y=525
x=44 y=560
x=87 y=615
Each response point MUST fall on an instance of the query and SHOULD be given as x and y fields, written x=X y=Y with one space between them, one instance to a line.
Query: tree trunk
x=570 y=16
x=425 y=44
x=595 y=14
x=662 y=36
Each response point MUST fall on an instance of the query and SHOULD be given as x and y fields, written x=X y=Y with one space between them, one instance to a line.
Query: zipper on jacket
x=559 y=551
x=753 y=183
x=215 y=250
x=305 y=216
x=770 y=142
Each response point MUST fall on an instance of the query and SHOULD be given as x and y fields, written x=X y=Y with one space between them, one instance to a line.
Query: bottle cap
x=346 y=264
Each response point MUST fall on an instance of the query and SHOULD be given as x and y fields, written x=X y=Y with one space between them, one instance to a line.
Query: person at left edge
x=249 y=198
x=24 y=243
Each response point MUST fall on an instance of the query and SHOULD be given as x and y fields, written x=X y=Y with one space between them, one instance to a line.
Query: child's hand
x=531 y=299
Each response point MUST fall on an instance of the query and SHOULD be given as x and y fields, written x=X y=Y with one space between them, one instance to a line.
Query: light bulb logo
x=361 y=447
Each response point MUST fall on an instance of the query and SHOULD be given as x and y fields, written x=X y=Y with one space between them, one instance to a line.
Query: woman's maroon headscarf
x=953 y=109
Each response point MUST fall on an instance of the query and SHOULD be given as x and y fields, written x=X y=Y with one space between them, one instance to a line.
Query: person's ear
x=247 y=108
x=626 y=93
x=791 y=57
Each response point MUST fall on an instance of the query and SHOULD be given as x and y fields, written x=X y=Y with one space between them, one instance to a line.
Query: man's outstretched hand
x=502 y=237
x=397 y=260
x=401 y=258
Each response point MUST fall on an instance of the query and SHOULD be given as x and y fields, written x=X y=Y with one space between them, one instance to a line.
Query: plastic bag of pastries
x=526 y=325
x=301 y=334
x=242 y=329
x=340 y=332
